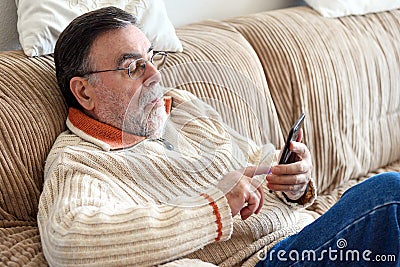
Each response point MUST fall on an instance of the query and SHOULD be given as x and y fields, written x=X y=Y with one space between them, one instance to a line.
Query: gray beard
x=139 y=117
x=143 y=118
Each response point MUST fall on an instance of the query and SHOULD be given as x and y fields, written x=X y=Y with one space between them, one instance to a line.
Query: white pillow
x=339 y=8
x=41 y=21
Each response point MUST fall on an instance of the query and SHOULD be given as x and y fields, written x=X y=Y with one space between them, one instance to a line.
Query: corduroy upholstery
x=221 y=67
x=260 y=71
x=32 y=112
x=344 y=74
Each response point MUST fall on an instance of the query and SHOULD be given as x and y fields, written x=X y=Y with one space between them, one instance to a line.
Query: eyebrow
x=127 y=56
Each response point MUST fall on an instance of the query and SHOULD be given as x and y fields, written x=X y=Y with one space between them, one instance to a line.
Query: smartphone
x=287 y=156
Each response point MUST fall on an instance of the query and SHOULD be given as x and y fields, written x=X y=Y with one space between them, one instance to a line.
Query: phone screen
x=287 y=156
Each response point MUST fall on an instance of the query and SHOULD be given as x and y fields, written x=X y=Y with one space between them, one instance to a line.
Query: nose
x=152 y=75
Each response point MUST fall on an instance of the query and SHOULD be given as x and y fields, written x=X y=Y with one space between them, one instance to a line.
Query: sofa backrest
x=219 y=66
x=260 y=71
x=33 y=111
x=32 y=114
x=344 y=74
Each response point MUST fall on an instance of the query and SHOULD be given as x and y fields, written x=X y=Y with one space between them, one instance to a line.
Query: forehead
x=109 y=46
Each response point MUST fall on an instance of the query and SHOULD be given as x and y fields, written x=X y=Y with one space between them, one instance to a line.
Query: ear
x=83 y=92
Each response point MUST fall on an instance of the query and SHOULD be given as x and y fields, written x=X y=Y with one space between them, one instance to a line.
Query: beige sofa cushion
x=219 y=66
x=32 y=113
x=345 y=74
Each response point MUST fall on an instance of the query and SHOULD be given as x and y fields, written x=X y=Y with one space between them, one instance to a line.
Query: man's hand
x=292 y=179
x=240 y=189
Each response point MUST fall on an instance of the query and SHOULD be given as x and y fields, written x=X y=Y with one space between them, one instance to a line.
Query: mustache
x=149 y=94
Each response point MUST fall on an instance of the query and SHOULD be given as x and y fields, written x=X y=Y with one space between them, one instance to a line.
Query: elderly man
x=133 y=182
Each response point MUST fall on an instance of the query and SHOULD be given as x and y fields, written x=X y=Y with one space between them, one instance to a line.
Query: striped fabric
x=30 y=102
x=219 y=66
x=32 y=114
x=344 y=73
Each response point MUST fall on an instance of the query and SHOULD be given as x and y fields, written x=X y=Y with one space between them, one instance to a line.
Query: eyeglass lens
x=137 y=67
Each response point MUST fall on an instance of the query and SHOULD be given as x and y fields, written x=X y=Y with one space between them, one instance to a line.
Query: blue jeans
x=361 y=229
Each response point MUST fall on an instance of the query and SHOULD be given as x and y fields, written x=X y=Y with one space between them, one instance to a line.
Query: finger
x=245 y=213
x=300 y=149
x=251 y=171
x=288 y=179
x=260 y=192
x=299 y=167
x=287 y=188
x=261 y=203
x=253 y=202
x=300 y=136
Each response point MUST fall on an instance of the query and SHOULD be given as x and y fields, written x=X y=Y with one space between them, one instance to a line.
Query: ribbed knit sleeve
x=85 y=221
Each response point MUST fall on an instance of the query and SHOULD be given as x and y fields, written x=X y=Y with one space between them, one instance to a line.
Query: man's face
x=136 y=106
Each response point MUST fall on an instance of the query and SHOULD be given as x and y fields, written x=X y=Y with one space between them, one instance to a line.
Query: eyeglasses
x=137 y=67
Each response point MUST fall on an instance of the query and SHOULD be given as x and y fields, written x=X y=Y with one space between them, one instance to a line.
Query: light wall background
x=181 y=12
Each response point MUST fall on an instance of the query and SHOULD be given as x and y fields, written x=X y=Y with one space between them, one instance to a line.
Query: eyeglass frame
x=165 y=57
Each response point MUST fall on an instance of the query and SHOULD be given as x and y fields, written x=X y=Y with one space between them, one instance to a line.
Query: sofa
x=260 y=71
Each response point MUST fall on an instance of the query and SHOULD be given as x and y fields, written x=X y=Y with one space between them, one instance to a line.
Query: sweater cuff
x=217 y=210
x=222 y=213
x=304 y=201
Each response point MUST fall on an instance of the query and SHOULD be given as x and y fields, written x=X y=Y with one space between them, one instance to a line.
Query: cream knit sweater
x=111 y=198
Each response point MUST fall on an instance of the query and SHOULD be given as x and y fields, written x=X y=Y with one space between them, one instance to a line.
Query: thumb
x=255 y=170
x=300 y=136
